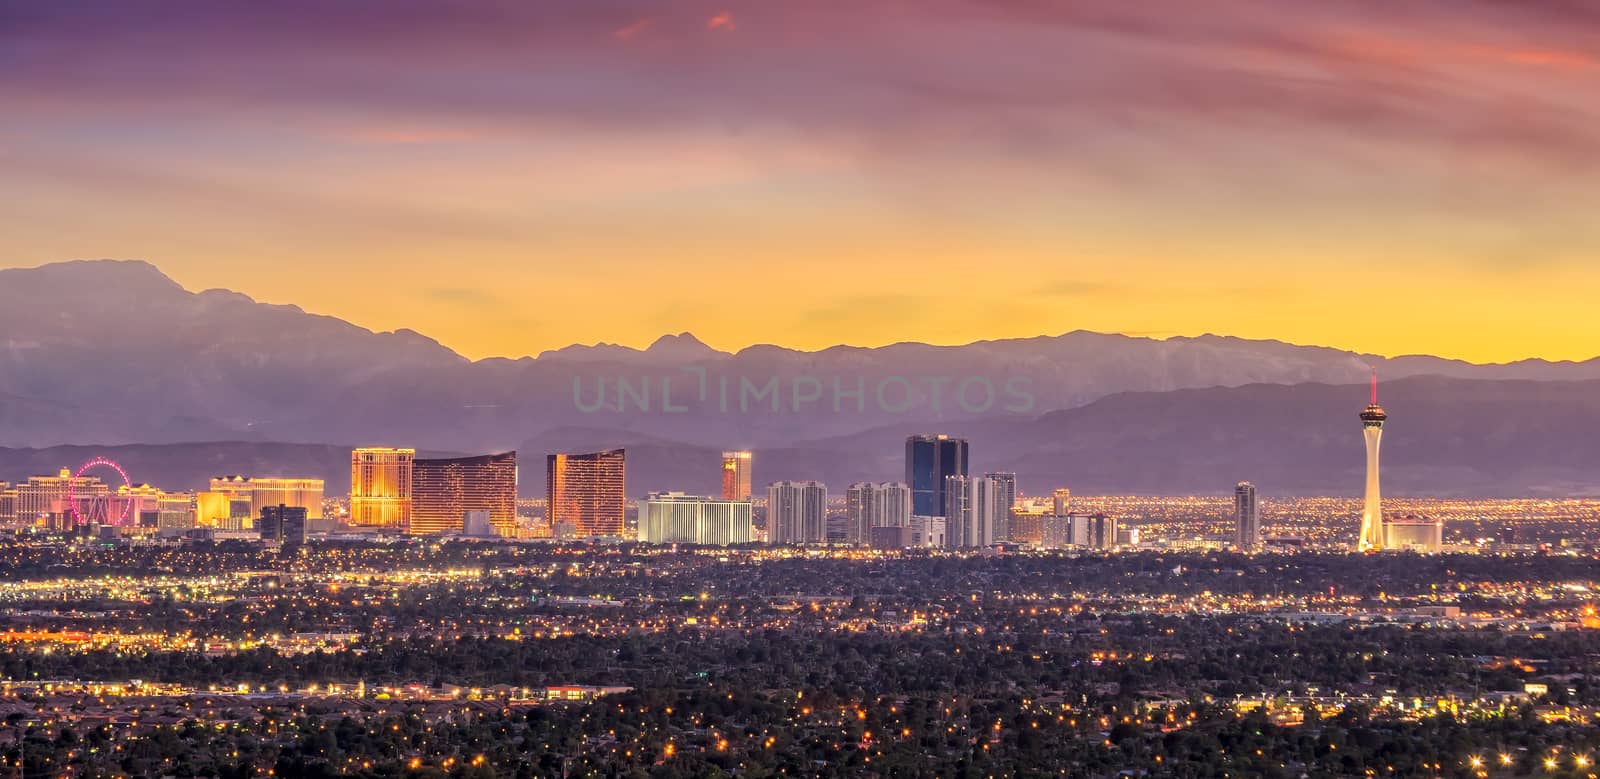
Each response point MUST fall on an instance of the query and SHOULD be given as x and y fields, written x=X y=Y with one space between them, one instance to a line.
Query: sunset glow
x=501 y=178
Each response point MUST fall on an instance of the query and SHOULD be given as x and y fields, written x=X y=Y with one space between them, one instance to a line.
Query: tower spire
x=1374 y=386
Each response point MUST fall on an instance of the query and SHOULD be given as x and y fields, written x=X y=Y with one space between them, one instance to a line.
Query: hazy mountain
x=115 y=352
x=1445 y=437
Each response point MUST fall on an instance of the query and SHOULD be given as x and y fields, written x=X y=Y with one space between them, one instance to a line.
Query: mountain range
x=116 y=354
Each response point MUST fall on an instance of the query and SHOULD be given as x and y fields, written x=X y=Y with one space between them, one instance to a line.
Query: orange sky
x=827 y=172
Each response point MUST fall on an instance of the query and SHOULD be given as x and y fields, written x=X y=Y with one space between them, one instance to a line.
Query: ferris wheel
x=103 y=508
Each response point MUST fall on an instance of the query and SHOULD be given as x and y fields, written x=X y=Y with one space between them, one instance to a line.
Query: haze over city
x=958 y=389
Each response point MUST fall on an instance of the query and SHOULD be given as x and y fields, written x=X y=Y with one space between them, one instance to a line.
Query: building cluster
x=940 y=504
x=392 y=489
x=88 y=504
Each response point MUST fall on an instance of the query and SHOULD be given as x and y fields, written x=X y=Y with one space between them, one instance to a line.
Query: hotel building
x=930 y=462
x=380 y=487
x=868 y=505
x=1246 y=517
x=42 y=500
x=262 y=492
x=797 y=512
x=587 y=491
x=443 y=491
x=736 y=476
x=676 y=518
x=977 y=512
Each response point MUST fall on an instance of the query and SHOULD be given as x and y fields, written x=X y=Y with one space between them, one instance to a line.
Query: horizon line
x=670 y=333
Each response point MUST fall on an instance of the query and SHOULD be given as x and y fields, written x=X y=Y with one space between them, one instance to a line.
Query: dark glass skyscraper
x=930 y=459
x=286 y=524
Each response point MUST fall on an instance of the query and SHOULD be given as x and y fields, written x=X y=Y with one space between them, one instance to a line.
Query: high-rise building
x=1372 y=420
x=1055 y=531
x=175 y=510
x=1091 y=531
x=260 y=492
x=1028 y=521
x=957 y=494
x=930 y=461
x=444 y=490
x=213 y=509
x=150 y=507
x=1100 y=531
x=8 y=504
x=676 y=518
x=380 y=487
x=1008 y=489
x=42 y=500
x=869 y=505
x=858 y=512
x=295 y=528
x=736 y=476
x=588 y=491
x=1063 y=501
x=1008 y=485
x=1246 y=517
x=978 y=514
x=282 y=523
x=797 y=512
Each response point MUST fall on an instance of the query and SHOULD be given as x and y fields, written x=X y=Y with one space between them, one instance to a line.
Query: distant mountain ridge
x=115 y=352
x=1446 y=437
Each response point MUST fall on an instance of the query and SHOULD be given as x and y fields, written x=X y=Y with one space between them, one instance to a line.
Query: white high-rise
x=797 y=512
x=1246 y=517
x=868 y=505
x=1372 y=420
x=977 y=511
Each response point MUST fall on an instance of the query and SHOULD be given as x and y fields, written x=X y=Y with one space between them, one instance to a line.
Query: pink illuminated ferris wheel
x=104 y=508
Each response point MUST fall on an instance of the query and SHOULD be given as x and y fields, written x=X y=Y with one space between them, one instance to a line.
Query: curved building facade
x=444 y=490
x=588 y=491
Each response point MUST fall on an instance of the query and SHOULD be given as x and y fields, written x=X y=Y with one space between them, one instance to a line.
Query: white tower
x=1246 y=517
x=1372 y=510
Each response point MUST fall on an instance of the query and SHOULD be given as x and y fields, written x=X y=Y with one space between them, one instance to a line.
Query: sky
x=1391 y=176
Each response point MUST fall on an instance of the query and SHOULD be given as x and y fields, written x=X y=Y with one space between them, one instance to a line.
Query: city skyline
x=901 y=373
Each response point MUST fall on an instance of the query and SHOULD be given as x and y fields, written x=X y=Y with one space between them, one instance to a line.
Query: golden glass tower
x=1372 y=421
x=736 y=476
x=443 y=491
x=380 y=487
x=587 y=490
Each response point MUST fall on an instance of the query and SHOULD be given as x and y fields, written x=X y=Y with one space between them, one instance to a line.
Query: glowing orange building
x=380 y=487
x=268 y=492
x=735 y=475
x=587 y=490
x=443 y=491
